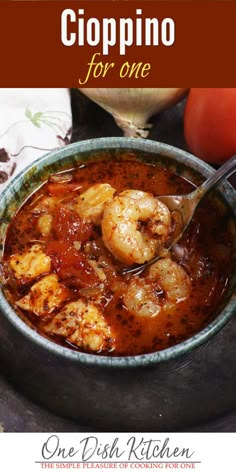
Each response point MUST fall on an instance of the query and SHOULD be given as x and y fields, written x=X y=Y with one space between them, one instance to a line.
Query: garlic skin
x=131 y=108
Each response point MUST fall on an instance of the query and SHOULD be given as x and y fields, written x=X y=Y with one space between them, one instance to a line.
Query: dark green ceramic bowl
x=46 y=365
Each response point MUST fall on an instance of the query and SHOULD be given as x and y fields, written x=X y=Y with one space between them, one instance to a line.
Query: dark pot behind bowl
x=167 y=390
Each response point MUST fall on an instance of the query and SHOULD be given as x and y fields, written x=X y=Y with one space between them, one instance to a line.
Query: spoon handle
x=224 y=171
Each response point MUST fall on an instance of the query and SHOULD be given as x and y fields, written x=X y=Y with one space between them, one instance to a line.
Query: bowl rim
x=142 y=360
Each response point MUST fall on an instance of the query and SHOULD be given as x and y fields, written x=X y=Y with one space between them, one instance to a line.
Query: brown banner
x=117 y=43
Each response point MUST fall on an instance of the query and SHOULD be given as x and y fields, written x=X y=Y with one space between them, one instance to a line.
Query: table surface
x=20 y=414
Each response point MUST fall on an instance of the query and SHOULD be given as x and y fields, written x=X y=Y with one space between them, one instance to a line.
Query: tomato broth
x=69 y=249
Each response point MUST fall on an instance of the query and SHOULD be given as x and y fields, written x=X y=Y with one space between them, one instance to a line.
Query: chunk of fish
x=82 y=324
x=44 y=296
x=31 y=263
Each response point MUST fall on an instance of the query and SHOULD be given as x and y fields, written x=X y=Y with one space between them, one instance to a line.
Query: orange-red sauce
x=204 y=252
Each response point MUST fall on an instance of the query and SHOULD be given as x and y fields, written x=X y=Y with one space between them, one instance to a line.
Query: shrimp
x=166 y=285
x=140 y=298
x=90 y=204
x=172 y=278
x=125 y=236
x=44 y=224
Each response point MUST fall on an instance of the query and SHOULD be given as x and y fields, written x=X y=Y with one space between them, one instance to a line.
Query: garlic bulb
x=132 y=107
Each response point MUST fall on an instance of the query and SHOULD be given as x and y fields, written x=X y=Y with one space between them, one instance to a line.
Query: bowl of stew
x=73 y=325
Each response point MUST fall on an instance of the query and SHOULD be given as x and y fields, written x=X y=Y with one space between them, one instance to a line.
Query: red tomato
x=69 y=226
x=70 y=264
x=210 y=123
x=58 y=189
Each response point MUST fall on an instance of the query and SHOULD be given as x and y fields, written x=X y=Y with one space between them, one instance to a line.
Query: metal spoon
x=182 y=208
